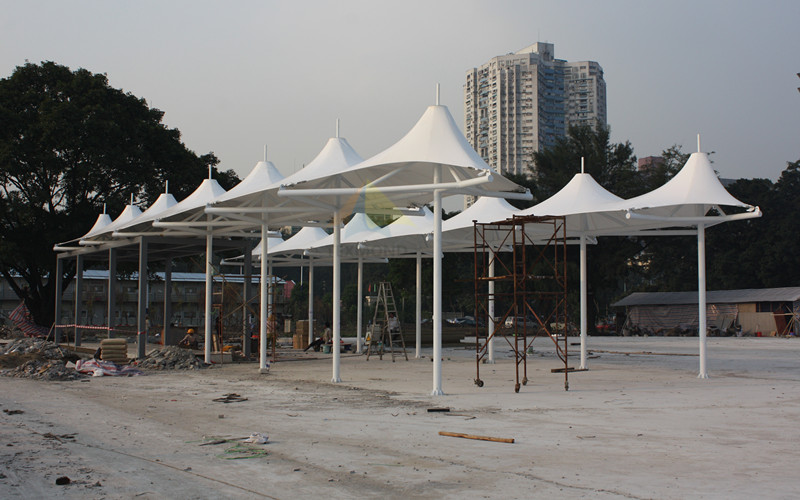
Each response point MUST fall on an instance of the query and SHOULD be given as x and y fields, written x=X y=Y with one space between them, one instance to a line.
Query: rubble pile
x=37 y=359
x=44 y=348
x=10 y=332
x=170 y=358
x=43 y=369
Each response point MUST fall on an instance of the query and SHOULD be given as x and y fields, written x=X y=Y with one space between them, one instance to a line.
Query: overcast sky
x=234 y=76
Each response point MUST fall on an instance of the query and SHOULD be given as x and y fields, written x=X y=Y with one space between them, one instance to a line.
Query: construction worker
x=190 y=340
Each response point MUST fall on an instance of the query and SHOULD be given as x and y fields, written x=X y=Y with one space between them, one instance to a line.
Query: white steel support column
x=360 y=307
x=418 y=306
x=584 y=299
x=142 y=303
x=437 y=286
x=337 y=281
x=701 y=297
x=491 y=325
x=263 y=284
x=112 y=291
x=78 y=297
x=247 y=281
x=209 y=297
x=57 y=312
x=167 y=336
x=310 y=300
x=272 y=319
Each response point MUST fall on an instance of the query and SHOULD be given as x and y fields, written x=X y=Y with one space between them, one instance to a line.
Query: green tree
x=759 y=252
x=613 y=166
x=70 y=143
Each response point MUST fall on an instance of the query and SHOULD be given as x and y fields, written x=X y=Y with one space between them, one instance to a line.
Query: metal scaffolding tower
x=525 y=259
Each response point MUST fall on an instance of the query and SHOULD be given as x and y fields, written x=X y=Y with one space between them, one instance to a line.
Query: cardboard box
x=300 y=341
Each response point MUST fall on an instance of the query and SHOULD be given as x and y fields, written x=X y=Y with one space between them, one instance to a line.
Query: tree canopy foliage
x=70 y=144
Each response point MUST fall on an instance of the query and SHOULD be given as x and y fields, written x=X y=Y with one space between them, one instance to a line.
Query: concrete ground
x=637 y=424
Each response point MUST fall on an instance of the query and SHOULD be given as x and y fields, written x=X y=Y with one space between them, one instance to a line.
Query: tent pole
x=701 y=297
x=263 y=301
x=112 y=290
x=584 y=298
x=490 y=346
x=360 y=307
x=418 y=307
x=78 y=298
x=247 y=271
x=57 y=318
x=209 y=291
x=166 y=338
x=337 y=278
x=142 y=305
x=437 y=285
x=310 y=299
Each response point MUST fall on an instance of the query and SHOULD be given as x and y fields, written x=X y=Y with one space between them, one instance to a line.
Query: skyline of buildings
x=521 y=102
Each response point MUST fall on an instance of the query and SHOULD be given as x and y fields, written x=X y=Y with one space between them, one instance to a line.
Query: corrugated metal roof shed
x=787 y=294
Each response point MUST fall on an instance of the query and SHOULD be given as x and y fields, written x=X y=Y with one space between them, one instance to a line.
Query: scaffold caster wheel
x=479 y=382
x=516 y=388
x=525 y=381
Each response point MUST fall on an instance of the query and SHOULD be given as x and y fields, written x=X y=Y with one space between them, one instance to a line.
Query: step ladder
x=386 y=330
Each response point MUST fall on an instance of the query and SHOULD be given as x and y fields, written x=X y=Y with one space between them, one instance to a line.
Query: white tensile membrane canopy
x=189 y=218
x=101 y=222
x=433 y=158
x=272 y=242
x=581 y=202
x=693 y=198
x=164 y=202
x=129 y=213
x=263 y=207
x=683 y=202
x=320 y=252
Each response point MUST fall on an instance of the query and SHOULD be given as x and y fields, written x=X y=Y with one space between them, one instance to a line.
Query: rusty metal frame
x=532 y=282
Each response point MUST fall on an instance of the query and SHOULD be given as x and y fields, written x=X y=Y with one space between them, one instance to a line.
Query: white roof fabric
x=102 y=221
x=434 y=140
x=587 y=206
x=358 y=229
x=193 y=204
x=299 y=243
x=164 y=202
x=128 y=214
x=591 y=209
x=262 y=177
x=458 y=232
x=403 y=237
x=272 y=241
x=336 y=156
x=693 y=190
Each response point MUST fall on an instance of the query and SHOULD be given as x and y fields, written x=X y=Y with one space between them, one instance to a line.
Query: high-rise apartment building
x=522 y=102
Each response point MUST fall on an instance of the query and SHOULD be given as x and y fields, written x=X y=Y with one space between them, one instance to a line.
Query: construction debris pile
x=170 y=358
x=37 y=359
x=10 y=332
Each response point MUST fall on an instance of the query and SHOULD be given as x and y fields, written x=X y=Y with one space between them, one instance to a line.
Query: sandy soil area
x=633 y=426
